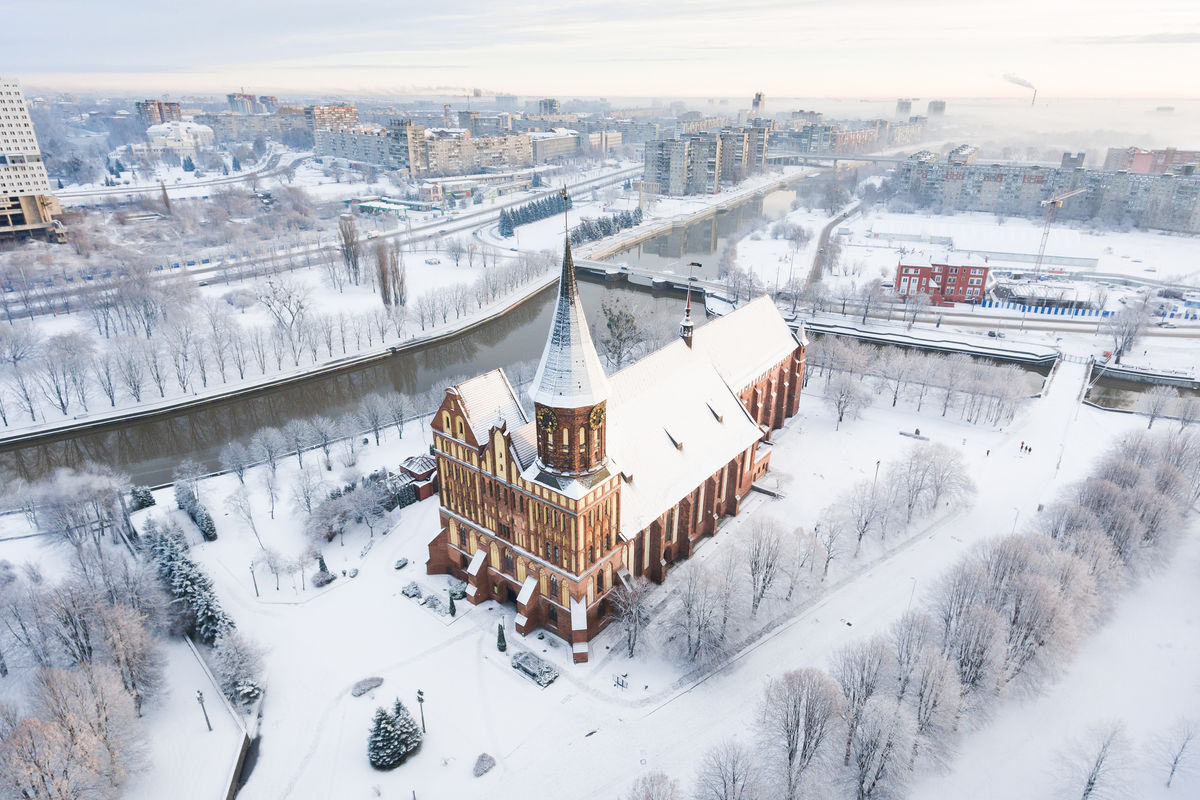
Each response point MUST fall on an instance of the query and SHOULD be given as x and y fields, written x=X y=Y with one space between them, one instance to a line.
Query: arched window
x=553 y=586
x=583 y=441
x=460 y=428
x=509 y=567
x=446 y=423
x=599 y=582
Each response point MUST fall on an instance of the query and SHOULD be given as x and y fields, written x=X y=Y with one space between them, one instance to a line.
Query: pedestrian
x=989 y=452
x=1022 y=445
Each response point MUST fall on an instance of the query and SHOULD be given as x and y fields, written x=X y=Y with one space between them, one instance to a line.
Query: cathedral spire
x=569 y=374
x=686 y=328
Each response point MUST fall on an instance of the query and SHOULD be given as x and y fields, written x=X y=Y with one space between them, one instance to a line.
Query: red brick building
x=947 y=278
x=615 y=476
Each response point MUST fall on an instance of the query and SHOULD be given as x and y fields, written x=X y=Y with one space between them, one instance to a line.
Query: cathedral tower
x=570 y=390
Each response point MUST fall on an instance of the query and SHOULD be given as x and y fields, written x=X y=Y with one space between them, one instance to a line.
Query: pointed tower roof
x=569 y=374
x=686 y=328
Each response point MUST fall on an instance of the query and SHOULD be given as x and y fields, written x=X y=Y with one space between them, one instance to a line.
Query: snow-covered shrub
x=187 y=501
x=323 y=578
x=458 y=590
x=433 y=602
x=140 y=497
x=412 y=590
x=237 y=664
x=394 y=737
x=483 y=765
x=366 y=685
x=540 y=672
x=186 y=582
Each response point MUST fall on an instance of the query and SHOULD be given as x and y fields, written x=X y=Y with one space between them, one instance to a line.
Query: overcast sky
x=618 y=48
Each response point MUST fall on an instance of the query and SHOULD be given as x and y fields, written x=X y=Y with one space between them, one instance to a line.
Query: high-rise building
x=242 y=103
x=937 y=108
x=26 y=206
x=156 y=112
x=903 y=108
x=548 y=105
x=613 y=477
x=759 y=104
x=343 y=116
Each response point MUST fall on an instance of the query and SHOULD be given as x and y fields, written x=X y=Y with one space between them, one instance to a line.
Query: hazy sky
x=793 y=48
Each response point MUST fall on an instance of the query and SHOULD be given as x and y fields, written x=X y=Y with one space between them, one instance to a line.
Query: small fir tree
x=407 y=729
x=453 y=610
x=501 y=645
x=385 y=749
x=237 y=165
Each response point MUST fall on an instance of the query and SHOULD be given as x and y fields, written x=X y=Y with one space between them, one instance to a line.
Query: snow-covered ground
x=320 y=642
x=876 y=239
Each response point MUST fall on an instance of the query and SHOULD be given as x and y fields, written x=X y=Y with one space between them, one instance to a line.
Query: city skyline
x=860 y=48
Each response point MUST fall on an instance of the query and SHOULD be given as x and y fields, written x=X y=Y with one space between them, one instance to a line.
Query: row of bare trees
x=713 y=608
x=1003 y=620
x=85 y=648
x=856 y=374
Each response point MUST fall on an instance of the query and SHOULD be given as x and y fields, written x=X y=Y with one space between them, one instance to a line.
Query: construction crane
x=1052 y=205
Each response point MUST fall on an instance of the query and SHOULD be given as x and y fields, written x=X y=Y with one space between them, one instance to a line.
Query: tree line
x=857 y=374
x=534 y=210
x=1000 y=623
x=87 y=648
x=591 y=229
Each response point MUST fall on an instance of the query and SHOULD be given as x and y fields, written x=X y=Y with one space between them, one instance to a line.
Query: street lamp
x=877 y=463
x=421 y=703
x=1016 y=513
x=255 y=579
x=912 y=591
x=200 y=700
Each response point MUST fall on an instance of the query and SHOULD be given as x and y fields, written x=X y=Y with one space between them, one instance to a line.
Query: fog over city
x=859 y=48
x=773 y=400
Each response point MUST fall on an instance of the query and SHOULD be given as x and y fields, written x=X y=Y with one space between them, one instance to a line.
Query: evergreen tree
x=385 y=749
x=453 y=610
x=118 y=168
x=60 y=183
x=501 y=645
x=407 y=729
x=237 y=165
x=188 y=164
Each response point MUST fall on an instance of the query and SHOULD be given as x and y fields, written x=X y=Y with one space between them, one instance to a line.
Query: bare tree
x=623 y=337
x=763 y=546
x=726 y=772
x=239 y=503
x=696 y=622
x=133 y=652
x=270 y=480
x=1102 y=763
x=235 y=458
x=654 y=786
x=1126 y=325
x=373 y=414
x=829 y=534
x=298 y=435
x=858 y=668
x=307 y=487
x=847 y=396
x=630 y=609
x=799 y=710
x=267 y=445
x=879 y=750
x=350 y=246
x=1155 y=401
x=1177 y=748
x=911 y=634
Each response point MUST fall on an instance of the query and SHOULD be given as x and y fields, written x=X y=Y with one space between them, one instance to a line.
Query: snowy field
x=320 y=642
x=877 y=238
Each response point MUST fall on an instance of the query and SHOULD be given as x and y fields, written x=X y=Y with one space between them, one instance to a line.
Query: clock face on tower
x=546 y=420
x=596 y=418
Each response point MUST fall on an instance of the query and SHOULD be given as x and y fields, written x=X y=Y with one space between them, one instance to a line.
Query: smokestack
x=1034 y=101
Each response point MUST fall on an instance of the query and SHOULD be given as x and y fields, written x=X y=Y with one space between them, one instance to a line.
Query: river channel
x=148 y=450
x=706 y=240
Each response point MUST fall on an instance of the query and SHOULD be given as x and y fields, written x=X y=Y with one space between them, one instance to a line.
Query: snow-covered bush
x=366 y=685
x=483 y=765
x=458 y=590
x=394 y=737
x=323 y=578
x=537 y=670
x=140 y=497
x=237 y=665
x=412 y=590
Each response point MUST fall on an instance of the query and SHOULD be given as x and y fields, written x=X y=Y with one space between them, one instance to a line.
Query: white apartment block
x=26 y=205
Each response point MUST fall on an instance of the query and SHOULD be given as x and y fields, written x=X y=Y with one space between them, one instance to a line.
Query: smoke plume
x=1019 y=81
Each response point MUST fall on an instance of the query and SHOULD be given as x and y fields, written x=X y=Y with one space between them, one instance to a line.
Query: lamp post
x=1016 y=514
x=200 y=700
x=255 y=579
x=912 y=591
x=877 y=463
x=421 y=703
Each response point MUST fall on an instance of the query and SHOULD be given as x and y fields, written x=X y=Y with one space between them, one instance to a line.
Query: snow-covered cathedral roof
x=570 y=374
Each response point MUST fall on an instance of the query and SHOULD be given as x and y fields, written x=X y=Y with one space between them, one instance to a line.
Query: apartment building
x=26 y=206
x=156 y=112
x=343 y=116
